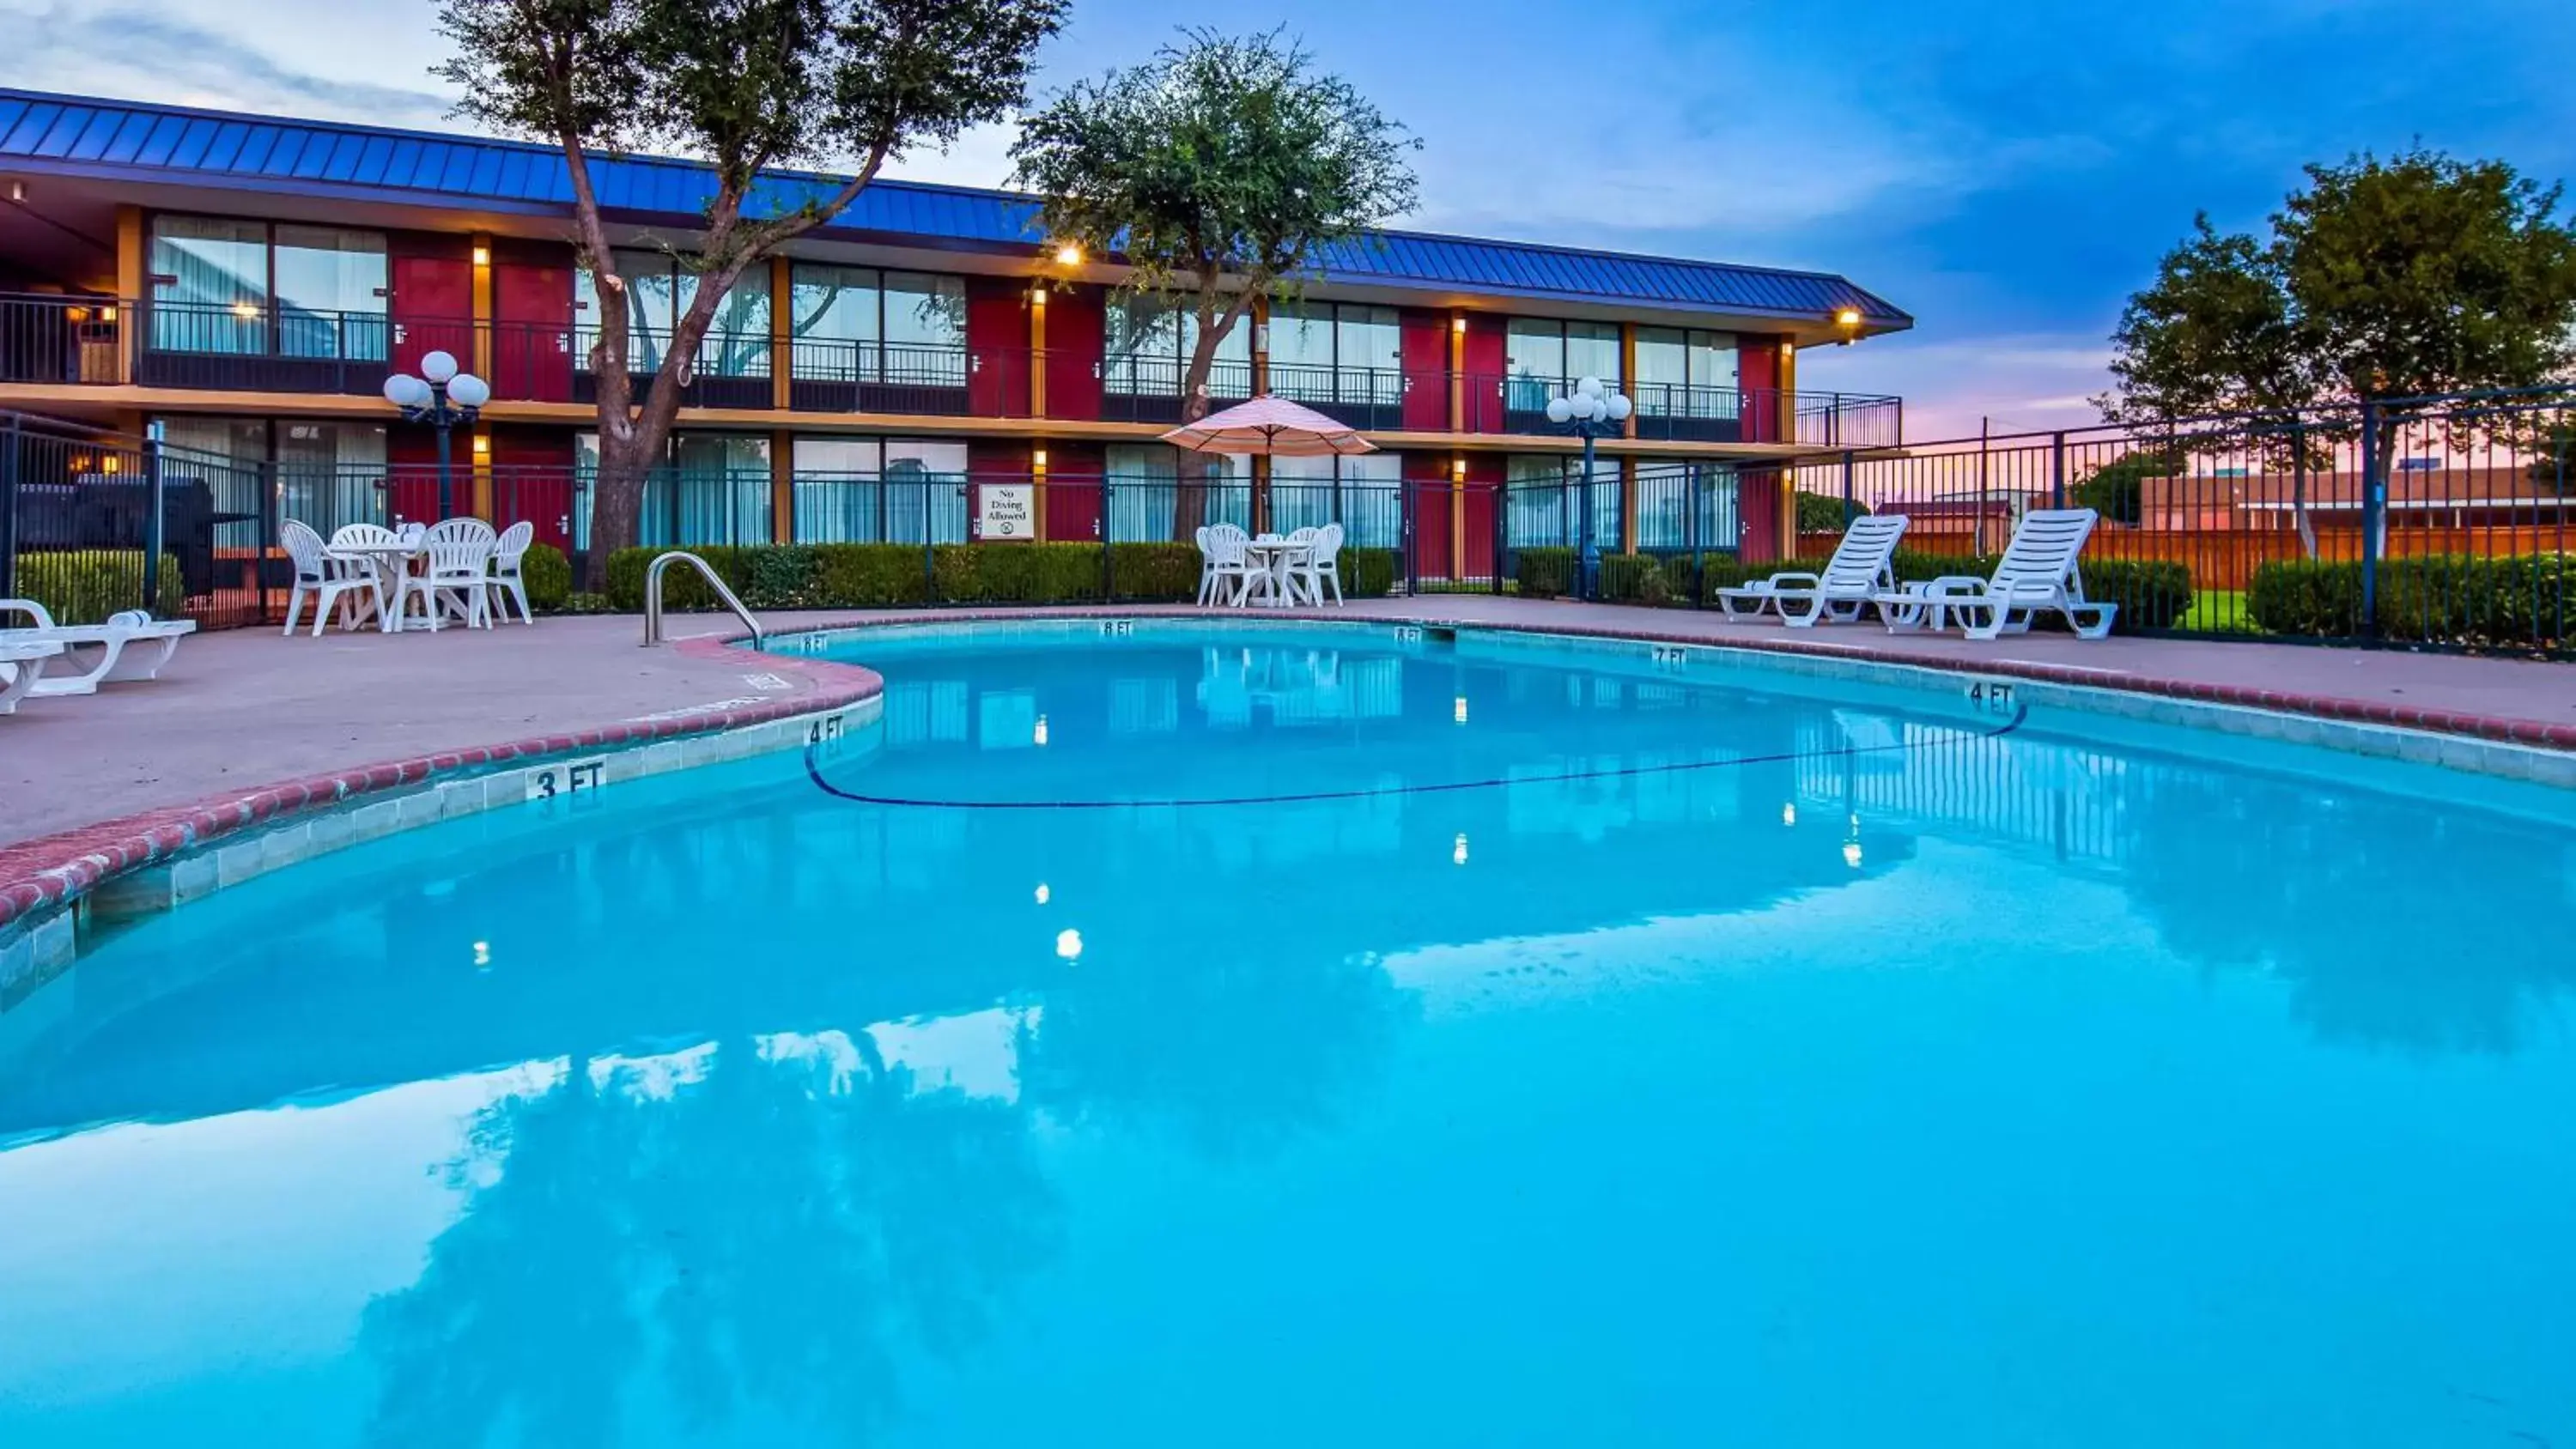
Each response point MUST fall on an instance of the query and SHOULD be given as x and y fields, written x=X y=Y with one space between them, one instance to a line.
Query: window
x=1545 y=357
x=245 y=288
x=1544 y=499
x=1685 y=374
x=1148 y=347
x=1146 y=487
x=322 y=474
x=1682 y=506
x=714 y=490
x=1337 y=352
x=880 y=490
x=859 y=324
x=1362 y=493
x=660 y=287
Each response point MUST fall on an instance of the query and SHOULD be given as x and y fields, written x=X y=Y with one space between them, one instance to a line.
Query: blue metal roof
x=111 y=139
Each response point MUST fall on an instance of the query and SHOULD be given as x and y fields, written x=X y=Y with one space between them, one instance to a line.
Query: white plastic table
x=389 y=561
x=1275 y=555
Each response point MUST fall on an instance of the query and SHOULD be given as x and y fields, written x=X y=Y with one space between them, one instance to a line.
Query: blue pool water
x=1543 y=1048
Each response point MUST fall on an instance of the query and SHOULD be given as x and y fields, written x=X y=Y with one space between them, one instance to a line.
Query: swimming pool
x=1224 y=1034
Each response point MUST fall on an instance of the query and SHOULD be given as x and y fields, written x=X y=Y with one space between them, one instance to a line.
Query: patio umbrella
x=1270 y=425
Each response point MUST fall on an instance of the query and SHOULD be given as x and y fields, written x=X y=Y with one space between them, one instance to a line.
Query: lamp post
x=441 y=397
x=1595 y=412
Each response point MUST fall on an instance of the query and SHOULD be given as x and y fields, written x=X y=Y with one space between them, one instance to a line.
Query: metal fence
x=2441 y=522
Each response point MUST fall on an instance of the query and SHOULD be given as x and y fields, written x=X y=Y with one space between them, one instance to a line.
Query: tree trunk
x=1216 y=318
x=616 y=504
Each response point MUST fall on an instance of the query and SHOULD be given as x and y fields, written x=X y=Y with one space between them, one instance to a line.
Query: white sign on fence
x=1006 y=511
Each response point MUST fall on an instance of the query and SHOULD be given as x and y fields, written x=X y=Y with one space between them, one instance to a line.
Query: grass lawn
x=2217 y=611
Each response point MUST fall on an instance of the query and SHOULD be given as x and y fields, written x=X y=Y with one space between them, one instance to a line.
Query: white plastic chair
x=1319 y=565
x=324 y=578
x=1226 y=576
x=2037 y=572
x=505 y=581
x=1862 y=568
x=458 y=577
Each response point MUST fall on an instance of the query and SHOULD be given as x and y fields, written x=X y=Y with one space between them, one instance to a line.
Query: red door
x=532 y=480
x=1486 y=357
x=1427 y=501
x=532 y=336
x=1072 y=503
x=997 y=349
x=432 y=309
x=1075 y=324
x=1478 y=497
x=1426 y=371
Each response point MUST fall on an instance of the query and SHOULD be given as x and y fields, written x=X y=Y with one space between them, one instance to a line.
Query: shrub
x=869 y=575
x=780 y=578
x=1367 y=573
x=84 y=586
x=548 y=576
x=1630 y=578
x=2524 y=602
x=1543 y=573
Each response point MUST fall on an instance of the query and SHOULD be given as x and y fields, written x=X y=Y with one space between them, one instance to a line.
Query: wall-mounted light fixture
x=1068 y=255
x=482 y=256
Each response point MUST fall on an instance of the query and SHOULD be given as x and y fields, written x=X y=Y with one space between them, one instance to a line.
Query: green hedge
x=84 y=586
x=548 y=576
x=2520 y=602
x=885 y=575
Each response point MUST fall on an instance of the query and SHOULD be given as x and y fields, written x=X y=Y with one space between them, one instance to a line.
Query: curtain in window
x=715 y=491
x=1301 y=352
x=1144 y=481
x=925 y=329
x=1361 y=493
x=1537 y=510
x=1371 y=347
x=840 y=497
x=1536 y=359
x=737 y=341
x=210 y=285
x=925 y=486
x=228 y=453
x=330 y=293
x=1592 y=350
x=836 y=323
x=1302 y=492
x=330 y=474
x=1670 y=494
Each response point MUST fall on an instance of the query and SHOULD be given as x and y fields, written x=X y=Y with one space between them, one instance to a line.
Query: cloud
x=161 y=54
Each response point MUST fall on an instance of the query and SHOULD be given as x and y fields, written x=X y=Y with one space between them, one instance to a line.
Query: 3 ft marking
x=572 y=777
x=1990 y=696
x=1670 y=656
x=1117 y=628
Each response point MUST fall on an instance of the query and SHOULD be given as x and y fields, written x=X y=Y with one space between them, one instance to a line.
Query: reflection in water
x=754 y=1233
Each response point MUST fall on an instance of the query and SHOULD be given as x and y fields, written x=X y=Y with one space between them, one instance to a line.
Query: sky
x=2008 y=171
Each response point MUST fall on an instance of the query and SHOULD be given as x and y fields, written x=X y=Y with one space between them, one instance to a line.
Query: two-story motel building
x=240 y=286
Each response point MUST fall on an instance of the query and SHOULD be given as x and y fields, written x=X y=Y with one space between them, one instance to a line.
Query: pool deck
x=245 y=723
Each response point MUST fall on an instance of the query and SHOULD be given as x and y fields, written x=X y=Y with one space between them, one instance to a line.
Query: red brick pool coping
x=50 y=870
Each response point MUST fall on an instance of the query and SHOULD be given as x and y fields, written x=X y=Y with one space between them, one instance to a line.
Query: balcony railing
x=272 y=347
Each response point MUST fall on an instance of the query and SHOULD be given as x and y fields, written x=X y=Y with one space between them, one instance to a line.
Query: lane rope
x=814 y=772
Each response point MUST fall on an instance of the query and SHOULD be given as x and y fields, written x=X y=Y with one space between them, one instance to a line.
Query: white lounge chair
x=326 y=579
x=22 y=664
x=2038 y=571
x=1862 y=568
x=131 y=645
x=1321 y=564
x=506 y=580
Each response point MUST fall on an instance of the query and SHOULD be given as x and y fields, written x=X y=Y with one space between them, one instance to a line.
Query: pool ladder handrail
x=653 y=596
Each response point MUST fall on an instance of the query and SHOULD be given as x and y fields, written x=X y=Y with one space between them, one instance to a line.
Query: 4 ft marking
x=824 y=730
x=1990 y=696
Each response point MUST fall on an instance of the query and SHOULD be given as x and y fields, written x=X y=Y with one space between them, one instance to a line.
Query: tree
x=1217 y=172
x=2117 y=489
x=748 y=85
x=2382 y=281
x=1823 y=512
